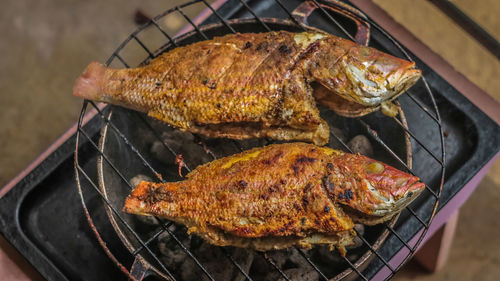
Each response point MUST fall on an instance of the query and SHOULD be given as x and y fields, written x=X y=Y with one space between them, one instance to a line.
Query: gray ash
x=215 y=262
x=362 y=145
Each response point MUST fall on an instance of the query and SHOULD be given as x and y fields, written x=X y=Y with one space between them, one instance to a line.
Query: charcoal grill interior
x=130 y=134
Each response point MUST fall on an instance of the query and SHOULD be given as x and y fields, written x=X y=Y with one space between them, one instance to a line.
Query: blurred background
x=46 y=44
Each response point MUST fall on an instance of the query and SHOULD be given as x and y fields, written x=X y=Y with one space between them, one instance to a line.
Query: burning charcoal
x=147 y=220
x=216 y=263
x=297 y=259
x=172 y=257
x=301 y=274
x=260 y=267
x=247 y=144
x=334 y=142
x=284 y=259
x=279 y=257
x=325 y=255
x=271 y=276
x=160 y=152
x=175 y=137
x=360 y=228
x=138 y=178
x=181 y=143
x=361 y=144
x=171 y=253
x=244 y=258
x=287 y=258
x=220 y=147
x=357 y=241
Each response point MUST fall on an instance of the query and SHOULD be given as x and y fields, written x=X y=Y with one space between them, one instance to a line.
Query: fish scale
x=293 y=190
x=255 y=84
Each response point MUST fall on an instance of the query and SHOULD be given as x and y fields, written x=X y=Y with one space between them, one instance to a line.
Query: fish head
x=367 y=76
x=374 y=189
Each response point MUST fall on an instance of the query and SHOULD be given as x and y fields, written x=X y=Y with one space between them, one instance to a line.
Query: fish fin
x=88 y=85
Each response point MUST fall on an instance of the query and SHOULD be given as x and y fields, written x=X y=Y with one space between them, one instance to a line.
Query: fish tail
x=88 y=85
x=102 y=84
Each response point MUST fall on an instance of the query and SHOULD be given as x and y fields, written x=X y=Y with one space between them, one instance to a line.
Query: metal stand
x=434 y=253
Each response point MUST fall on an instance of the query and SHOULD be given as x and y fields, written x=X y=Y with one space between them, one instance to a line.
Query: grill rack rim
x=179 y=9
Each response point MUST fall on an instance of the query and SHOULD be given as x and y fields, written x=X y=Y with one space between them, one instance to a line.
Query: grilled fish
x=253 y=85
x=279 y=196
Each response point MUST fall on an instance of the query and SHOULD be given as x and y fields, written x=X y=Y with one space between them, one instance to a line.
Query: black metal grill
x=423 y=216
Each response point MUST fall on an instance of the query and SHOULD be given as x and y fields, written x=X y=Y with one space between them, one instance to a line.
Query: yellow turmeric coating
x=293 y=191
x=253 y=85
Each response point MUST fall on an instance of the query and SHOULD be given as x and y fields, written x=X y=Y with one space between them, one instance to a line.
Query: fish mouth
x=387 y=206
x=396 y=202
x=403 y=79
x=372 y=93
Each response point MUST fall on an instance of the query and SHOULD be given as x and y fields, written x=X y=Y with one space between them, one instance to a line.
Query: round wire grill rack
x=295 y=16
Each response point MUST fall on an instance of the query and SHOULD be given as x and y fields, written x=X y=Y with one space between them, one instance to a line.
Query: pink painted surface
x=434 y=254
x=13 y=267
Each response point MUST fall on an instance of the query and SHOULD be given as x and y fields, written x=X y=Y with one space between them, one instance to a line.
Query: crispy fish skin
x=295 y=192
x=360 y=74
x=233 y=86
x=252 y=85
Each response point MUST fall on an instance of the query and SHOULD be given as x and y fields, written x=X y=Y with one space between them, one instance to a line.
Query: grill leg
x=434 y=253
x=138 y=271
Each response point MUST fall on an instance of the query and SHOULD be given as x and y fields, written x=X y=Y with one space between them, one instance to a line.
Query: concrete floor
x=46 y=44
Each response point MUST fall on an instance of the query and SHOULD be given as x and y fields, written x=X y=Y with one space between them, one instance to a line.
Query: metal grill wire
x=408 y=245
